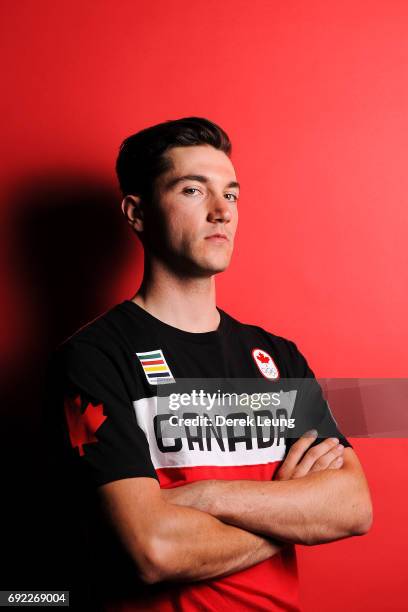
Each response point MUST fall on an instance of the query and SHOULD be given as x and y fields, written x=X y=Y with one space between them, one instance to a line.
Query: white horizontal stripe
x=146 y=409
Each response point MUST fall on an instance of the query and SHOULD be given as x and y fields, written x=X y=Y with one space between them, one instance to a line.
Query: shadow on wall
x=70 y=240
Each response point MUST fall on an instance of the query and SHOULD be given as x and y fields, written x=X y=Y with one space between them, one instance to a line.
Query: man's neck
x=188 y=303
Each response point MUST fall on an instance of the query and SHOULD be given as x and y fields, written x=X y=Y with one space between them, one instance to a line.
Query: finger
x=326 y=459
x=336 y=464
x=313 y=455
x=295 y=453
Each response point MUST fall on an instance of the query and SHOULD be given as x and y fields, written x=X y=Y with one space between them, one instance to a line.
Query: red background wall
x=314 y=96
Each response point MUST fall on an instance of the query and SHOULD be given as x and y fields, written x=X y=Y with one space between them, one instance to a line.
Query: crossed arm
x=321 y=506
x=213 y=528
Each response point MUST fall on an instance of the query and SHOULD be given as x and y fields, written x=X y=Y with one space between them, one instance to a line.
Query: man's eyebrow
x=195 y=177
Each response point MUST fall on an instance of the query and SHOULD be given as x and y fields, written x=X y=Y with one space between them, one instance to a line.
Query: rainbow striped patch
x=155 y=367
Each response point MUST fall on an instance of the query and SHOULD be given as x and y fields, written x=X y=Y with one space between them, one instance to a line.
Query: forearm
x=320 y=507
x=171 y=542
x=192 y=545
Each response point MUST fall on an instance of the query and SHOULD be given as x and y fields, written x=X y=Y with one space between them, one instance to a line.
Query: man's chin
x=214 y=268
x=204 y=266
x=206 y=269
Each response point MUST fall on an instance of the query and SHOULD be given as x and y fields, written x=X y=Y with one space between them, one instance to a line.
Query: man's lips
x=217 y=236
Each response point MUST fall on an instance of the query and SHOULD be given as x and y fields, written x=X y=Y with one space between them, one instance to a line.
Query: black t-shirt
x=105 y=424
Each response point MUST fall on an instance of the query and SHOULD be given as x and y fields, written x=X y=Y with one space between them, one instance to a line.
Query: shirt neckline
x=199 y=337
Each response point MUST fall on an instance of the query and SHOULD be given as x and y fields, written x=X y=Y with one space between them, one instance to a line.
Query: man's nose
x=219 y=209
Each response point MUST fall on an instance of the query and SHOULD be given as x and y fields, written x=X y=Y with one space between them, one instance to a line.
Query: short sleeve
x=90 y=421
x=311 y=410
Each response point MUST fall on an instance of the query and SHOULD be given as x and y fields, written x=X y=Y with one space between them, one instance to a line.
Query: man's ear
x=132 y=208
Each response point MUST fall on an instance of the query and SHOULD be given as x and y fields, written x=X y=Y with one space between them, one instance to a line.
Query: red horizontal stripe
x=152 y=362
x=175 y=476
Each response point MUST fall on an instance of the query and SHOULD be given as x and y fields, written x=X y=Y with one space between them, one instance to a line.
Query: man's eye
x=234 y=197
x=190 y=189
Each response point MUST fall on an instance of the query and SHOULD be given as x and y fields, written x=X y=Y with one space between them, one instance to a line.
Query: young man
x=205 y=519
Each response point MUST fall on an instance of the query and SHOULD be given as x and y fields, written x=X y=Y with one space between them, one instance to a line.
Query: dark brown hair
x=142 y=156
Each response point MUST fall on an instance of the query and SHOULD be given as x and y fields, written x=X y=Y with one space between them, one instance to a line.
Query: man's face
x=194 y=200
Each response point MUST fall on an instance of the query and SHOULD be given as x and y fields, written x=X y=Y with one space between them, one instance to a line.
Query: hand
x=327 y=455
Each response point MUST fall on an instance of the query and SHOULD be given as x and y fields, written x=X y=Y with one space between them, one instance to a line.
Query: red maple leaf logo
x=82 y=425
x=262 y=358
